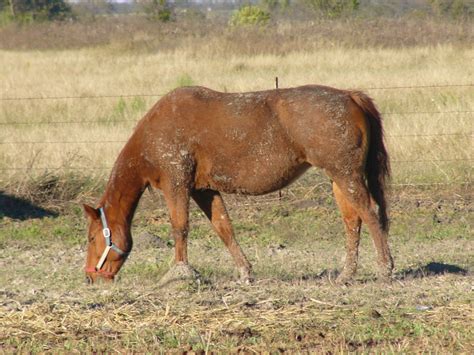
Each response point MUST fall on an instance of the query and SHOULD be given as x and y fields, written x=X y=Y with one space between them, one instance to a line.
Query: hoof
x=345 y=278
x=245 y=276
x=180 y=274
x=385 y=277
x=385 y=271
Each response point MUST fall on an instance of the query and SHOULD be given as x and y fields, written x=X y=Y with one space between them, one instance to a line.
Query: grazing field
x=296 y=246
x=66 y=109
x=433 y=125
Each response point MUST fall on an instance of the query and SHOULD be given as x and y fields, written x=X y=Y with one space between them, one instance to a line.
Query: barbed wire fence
x=456 y=113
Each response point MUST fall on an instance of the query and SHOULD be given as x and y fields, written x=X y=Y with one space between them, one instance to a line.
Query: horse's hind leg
x=357 y=194
x=352 y=223
x=213 y=206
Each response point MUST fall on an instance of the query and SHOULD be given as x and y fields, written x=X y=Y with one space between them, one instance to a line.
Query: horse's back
x=236 y=139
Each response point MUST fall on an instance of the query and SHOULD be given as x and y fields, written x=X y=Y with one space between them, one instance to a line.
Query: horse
x=198 y=143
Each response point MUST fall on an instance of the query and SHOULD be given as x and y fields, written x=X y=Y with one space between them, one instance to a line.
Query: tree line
x=259 y=12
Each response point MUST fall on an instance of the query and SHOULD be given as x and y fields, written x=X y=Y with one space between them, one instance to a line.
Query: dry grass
x=283 y=36
x=107 y=122
x=296 y=250
x=245 y=319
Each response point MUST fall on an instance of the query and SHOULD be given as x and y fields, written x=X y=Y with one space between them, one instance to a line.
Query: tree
x=4 y=4
x=159 y=10
x=333 y=8
x=453 y=8
x=26 y=10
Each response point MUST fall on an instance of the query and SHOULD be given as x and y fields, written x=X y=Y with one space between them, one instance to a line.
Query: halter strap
x=108 y=242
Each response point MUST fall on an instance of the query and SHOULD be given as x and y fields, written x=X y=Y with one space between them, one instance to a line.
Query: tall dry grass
x=33 y=132
x=283 y=35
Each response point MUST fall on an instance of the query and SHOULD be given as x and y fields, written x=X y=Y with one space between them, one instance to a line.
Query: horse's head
x=108 y=245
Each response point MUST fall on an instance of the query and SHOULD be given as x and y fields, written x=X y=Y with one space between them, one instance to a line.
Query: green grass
x=185 y=80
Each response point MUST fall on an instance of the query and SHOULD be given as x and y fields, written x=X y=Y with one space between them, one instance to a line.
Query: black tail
x=378 y=162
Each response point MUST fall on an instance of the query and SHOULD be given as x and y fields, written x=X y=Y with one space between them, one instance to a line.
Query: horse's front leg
x=177 y=199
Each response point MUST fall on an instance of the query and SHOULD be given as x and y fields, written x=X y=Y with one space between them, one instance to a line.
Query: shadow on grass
x=329 y=275
x=21 y=209
x=430 y=269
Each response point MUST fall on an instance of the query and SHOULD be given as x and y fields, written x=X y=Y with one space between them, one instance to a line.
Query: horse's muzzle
x=93 y=276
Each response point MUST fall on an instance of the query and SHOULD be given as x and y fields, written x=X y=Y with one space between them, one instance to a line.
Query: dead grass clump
x=50 y=188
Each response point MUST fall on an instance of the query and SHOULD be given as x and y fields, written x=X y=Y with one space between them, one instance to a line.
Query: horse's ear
x=91 y=212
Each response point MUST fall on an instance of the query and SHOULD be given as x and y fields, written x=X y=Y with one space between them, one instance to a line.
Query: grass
x=293 y=305
x=100 y=127
x=282 y=36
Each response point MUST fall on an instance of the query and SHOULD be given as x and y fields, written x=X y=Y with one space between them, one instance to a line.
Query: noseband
x=108 y=246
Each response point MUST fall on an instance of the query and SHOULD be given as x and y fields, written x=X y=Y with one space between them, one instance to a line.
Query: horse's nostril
x=89 y=280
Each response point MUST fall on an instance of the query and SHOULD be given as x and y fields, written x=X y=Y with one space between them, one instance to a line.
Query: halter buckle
x=106 y=232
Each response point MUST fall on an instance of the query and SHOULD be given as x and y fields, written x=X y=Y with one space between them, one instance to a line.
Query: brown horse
x=196 y=143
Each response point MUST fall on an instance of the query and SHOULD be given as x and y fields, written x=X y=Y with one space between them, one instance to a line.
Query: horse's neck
x=124 y=189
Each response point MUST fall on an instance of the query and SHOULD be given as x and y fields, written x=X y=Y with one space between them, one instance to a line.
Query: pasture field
x=296 y=246
x=429 y=129
x=66 y=109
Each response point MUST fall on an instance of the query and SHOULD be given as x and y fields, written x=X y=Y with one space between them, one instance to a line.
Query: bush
x=452 y=8
x=5 y=16
x=275 y=5
x=333 y=8
x=159 y=10
x=184 y=80
x=36 y=10
x=250 y=15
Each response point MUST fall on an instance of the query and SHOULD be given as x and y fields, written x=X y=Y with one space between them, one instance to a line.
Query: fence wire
x=108 y=122
x=81 y=97
x=124 y=141
x=110 y=167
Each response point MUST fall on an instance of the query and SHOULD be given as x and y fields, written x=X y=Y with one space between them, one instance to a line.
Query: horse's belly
x=252 y=176
x=269 y=181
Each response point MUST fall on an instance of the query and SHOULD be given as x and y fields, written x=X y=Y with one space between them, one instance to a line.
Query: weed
x=184 y=80
x=250 y=15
